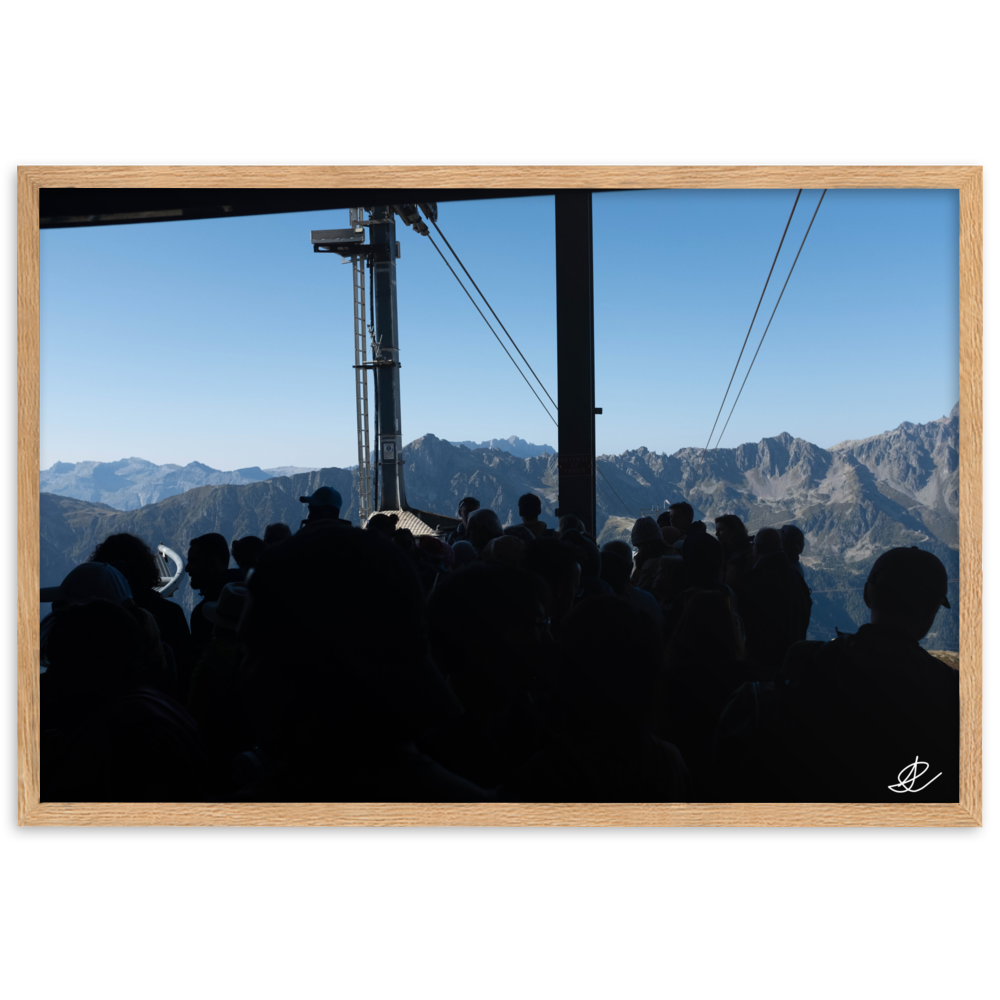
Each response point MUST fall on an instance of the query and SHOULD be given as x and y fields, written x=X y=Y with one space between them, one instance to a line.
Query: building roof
x=407 y=519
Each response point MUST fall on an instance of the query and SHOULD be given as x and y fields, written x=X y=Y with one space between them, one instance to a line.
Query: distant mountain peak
x=288 y=470
x=513 y=445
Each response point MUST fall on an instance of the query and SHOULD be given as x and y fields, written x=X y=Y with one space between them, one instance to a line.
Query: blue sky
x=229 y=342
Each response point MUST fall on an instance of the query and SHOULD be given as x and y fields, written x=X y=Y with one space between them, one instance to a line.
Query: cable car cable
x=628 y=513
x=624 y=506
x=597 y=487
x=747 y=337
x=487 y=322
x=488 y=306
x=773 y=311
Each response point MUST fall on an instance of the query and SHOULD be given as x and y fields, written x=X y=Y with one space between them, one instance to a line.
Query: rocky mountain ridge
x=514 y=445
x=853 y=501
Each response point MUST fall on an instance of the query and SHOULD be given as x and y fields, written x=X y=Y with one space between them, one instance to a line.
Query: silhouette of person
x=135 y=559
x=610 y=671
x=342 y=728
x=647 y=537
x=483 y=527
x=505 y=550
x=465 y=507
x=706 y=664
x=671 y=535
x=107 y=736
x=682 y=518
x=589 y=558
x=774 y=603
x=489 y=635
x=737 y=549
x=570 y=522
x=529 y=508
x=558 y=564
x=324 y=505
x=793 y=542
x=616 y=570
x=277 y=532
x=214 y=699
x=384 y=524
x=863 y=708
x=521 y=532
x=207 y=569
x=465 y=553
x=246 y=550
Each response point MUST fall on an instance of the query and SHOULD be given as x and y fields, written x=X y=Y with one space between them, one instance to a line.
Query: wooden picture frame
x=967 y=812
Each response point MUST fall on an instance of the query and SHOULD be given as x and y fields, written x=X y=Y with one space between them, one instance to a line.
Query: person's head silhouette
x=904 y=590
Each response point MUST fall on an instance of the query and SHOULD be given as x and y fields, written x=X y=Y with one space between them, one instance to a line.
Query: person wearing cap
x=324 y=505
x=863 y=708
x=465 y=507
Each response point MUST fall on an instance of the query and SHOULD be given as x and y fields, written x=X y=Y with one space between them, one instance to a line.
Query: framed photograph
x=613 y=507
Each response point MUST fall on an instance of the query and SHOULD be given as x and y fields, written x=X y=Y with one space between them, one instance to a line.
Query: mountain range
x=513 y=445
x=133 y=482
x=853 y=501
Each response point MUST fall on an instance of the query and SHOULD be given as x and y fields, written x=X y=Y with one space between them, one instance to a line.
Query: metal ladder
x=361 y=379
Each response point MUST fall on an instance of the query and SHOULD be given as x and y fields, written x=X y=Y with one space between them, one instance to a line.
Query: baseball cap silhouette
x=325 y=496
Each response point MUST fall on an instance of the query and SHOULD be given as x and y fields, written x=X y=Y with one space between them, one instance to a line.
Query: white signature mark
x=909 y=775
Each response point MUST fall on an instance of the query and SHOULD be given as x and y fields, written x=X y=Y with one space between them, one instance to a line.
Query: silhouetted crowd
x=517 y=663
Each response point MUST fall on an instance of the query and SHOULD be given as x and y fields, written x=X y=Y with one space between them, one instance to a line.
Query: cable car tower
x=381 y=489
x=361 y=334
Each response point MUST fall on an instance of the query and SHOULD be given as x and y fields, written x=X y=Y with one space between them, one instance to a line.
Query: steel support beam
x=392 y=495
x=575 y=356
x=69 y=207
